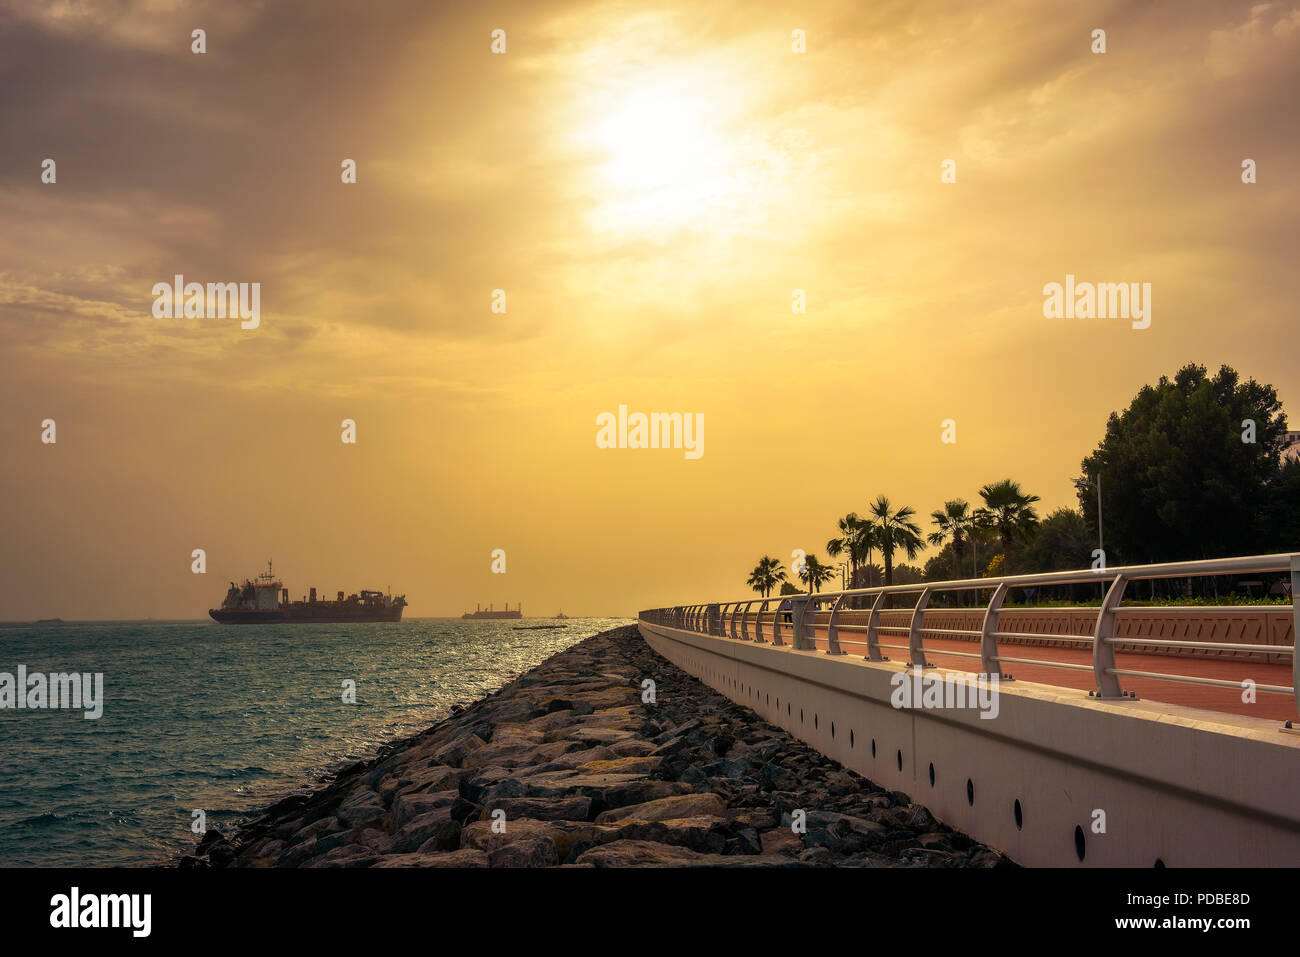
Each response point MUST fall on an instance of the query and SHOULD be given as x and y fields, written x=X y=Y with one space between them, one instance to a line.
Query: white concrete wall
x=1179 y=785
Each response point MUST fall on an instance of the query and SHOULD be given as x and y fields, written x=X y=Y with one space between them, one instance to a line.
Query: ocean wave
x=38 y=820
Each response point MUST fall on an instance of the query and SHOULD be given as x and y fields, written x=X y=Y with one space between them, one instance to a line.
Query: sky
x=649 y=185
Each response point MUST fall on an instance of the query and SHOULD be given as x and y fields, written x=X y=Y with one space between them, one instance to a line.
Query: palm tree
x=814 y=574
x=954 y=521
x=1009 y=510
x=856 y=542
x=767 y=574
x=894 y=529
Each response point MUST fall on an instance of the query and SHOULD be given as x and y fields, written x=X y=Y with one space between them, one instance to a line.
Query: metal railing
x=733 y=620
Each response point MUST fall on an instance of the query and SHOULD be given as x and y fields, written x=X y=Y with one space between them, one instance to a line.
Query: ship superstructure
x=265 y=599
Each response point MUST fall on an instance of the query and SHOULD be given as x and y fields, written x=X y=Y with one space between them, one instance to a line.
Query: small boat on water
x=536 y=627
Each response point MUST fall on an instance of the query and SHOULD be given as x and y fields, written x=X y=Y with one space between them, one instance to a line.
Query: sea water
x=224 y=720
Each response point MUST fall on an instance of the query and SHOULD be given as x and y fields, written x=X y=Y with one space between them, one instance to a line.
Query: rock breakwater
x=567 y=765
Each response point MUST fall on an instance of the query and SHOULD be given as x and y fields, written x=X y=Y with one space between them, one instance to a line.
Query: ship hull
x=321 y=616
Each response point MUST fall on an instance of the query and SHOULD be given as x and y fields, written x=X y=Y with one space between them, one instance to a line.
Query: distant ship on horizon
x=265 y=600
x=479 y=613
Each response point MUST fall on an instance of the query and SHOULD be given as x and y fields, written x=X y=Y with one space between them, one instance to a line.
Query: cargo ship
x=264 y=599
x=479 y=613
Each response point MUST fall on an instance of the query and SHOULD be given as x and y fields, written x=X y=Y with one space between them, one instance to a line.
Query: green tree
x=1064 y=542
x=1010 y=511
x=1181 y=478
x=814 y=573
x=1281 y=515
x=767 y=574
x=905 y=574
x=953 y=523
x=894 y=529
x=943 y=566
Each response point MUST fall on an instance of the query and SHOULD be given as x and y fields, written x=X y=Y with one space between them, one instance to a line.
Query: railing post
x=915 y=650
x=776 y=624
x=798 y=605
x=1103 y=645
x=873 y=629
x=832 y=637
x=744 y=621
x=988 y=638
x=1295 y=625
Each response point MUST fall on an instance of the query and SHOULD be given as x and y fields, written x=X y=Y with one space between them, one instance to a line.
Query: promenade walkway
x=1273 y=706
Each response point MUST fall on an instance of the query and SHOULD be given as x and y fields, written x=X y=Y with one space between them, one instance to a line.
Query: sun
x=659 y=156
x=652 y=139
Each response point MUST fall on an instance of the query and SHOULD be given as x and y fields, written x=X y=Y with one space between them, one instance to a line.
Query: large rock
x=781 y=840
x=555 y=783
x=453 y=753
x=639 y=792
x=703 y=833
x=640 y=854
x=298 y=854
x=465 y=857
x=407 y=807
x=575 y=808
x=435 y=829
x=685 y=805
x=361 y=806
x=426 y=780
x=528 y=852
x=473 y=786
x=622 y=765
x=326 y=825
x=563 y=834
x=348 y=855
